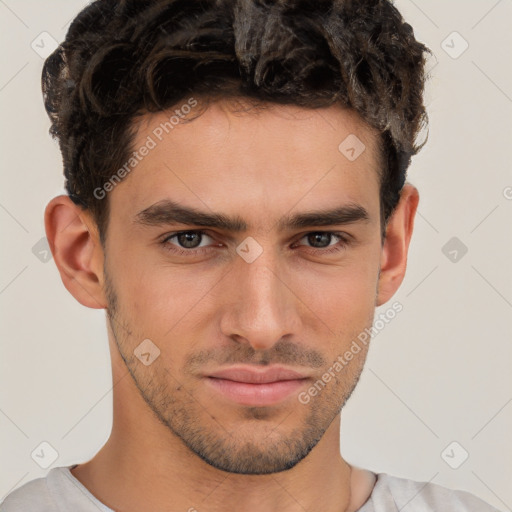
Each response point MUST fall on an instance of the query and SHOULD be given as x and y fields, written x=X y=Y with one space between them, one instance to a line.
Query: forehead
x=230 y=158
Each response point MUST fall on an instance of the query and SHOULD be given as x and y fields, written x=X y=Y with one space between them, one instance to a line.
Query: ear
x=74 y=241
x=396 y=244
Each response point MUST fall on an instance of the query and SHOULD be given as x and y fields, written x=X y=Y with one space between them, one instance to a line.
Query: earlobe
x=74 y=242
x=396 y=245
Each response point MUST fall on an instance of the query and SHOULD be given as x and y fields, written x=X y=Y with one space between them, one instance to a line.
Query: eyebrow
x=170 y=212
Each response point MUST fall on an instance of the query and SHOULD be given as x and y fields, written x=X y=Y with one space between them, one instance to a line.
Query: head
x=236 y=179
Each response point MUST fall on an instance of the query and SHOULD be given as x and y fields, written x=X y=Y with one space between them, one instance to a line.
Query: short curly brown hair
x=121 y=59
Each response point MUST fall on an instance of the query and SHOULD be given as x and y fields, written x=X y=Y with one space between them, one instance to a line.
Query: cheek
x=159 y=299
x=342 y=295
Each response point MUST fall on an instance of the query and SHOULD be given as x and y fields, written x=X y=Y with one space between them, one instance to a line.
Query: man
x=237 y=204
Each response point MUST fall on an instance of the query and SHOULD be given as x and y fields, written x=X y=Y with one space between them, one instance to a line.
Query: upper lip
x=252 y=376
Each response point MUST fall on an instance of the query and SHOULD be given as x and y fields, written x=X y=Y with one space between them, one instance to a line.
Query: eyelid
x=165 y=238
x=339 y=234
x=345 y=239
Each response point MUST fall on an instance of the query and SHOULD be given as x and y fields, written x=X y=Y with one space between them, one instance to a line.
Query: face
x=263 y=279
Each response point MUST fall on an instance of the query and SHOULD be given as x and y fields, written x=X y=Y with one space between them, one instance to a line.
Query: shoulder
x=59 y=491
x=391 y=492
x=33 y=496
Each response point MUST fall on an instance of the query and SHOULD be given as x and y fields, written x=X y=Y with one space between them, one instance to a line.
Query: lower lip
x=256 y=394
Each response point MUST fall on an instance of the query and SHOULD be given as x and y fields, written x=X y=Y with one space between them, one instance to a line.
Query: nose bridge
x=262 y=309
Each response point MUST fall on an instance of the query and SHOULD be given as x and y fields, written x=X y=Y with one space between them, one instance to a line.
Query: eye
x=187 y=242
x=324 y=239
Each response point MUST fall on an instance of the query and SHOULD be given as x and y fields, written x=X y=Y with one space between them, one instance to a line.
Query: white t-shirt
x=60 y=491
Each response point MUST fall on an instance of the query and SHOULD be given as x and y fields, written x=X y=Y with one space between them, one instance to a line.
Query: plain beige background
x=438 y=373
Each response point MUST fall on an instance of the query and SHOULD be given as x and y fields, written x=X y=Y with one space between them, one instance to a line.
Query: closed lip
x=253 y=376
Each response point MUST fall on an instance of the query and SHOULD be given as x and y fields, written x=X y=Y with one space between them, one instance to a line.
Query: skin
x=175 y=441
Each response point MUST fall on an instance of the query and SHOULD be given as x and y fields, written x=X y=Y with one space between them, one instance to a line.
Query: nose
x=261 y=308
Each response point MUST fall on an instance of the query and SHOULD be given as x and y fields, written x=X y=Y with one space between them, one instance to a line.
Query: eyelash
x=344 y=242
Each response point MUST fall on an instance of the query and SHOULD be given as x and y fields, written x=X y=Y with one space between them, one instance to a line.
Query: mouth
x=246 y=386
